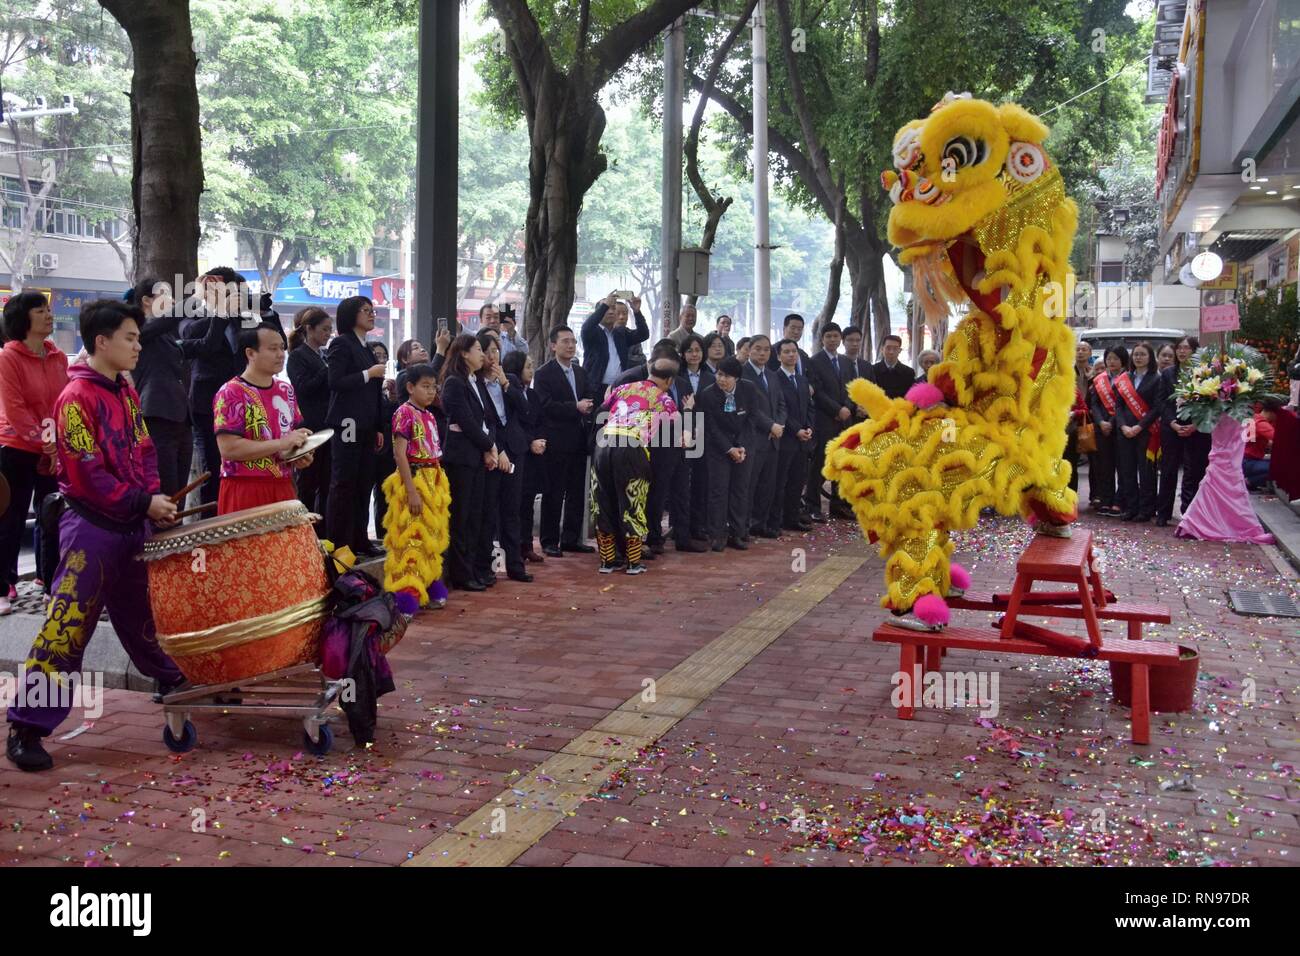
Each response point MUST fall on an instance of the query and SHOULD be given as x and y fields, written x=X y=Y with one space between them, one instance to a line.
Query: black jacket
x=513 y=437
x=829 y=394
x=707 y=377
x=1098 y=410
x=1168 y=403
x=724 y=430
x=799 y=411
x=774 y=361
x=350 y=396
x=310 y=377
x=1149 y=391
x=852 y=370
x=565 y=428
x=162 y=372
x=595 y=347
x=896 y=383
x=471 y=422
x=769 y=403
x=216 y=361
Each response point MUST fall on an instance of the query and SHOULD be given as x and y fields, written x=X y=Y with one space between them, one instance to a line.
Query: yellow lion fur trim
x=415 y=545
x=912 y=475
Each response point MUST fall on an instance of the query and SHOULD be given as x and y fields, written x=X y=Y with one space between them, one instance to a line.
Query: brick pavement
x=795 y=759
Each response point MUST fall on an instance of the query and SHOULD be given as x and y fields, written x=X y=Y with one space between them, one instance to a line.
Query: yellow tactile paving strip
x=517 y=818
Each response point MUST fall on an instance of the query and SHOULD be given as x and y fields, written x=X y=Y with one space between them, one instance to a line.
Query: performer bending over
x=108 y=473
x=419 y=498
x=621 y=468
x=257 y=422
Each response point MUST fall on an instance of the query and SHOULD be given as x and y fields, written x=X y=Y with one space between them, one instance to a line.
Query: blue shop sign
x=312 y=288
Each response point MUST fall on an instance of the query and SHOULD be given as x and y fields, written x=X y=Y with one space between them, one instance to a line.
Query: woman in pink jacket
x=32 y=374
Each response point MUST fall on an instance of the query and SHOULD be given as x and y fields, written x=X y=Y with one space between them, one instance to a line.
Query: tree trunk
x=167 y=161
x=565 y=160
x=833 y=285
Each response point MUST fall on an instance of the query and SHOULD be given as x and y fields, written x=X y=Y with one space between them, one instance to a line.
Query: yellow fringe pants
x=415 y=545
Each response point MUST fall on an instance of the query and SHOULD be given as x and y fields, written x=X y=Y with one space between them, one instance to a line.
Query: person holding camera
x=212 y=341
x=511 y=341
x=605 y=345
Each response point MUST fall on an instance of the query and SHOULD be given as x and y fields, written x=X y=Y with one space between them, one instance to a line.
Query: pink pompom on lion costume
x=982 y=216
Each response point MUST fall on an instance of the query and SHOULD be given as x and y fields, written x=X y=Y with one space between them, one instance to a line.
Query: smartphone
x=442 y=323
x=623 y=294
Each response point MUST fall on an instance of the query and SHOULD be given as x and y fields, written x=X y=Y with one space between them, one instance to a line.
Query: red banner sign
x=1220 y=318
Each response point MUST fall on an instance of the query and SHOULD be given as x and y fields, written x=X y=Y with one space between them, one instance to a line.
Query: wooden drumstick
x=194 y=511
x=180 y=495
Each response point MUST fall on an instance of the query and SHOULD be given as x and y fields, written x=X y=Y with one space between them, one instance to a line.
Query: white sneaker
x=5 y=606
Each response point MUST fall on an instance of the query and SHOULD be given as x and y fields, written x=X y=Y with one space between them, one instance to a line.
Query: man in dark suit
x=834 y=411
x=605 y=344
x=796 y=443
x=356 y=396
x=893 y=377
x=792 y=329
x=768 y=429
x=856 y=367
x=566 y=404
x=669 y=467
x=211 y=341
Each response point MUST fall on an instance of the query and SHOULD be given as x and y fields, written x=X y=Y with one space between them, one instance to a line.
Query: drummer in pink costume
x=258 y=422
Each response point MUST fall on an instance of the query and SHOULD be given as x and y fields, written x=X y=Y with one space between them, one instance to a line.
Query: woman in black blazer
x=162 y=379
x=1101 y=476
x=526 y=446
x=310 y=377
x=503 y=491
x=356 y=392
x=698 y=373
x=384 y=463
x=470 y=453
x=1137 y=473
x=725 y=407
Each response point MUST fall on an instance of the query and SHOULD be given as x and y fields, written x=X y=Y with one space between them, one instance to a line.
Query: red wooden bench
x=1061 y=560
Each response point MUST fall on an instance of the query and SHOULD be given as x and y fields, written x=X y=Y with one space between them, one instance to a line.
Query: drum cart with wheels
x=299 y=691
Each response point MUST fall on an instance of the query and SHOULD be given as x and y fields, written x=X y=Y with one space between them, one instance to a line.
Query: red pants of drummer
x=236 y=494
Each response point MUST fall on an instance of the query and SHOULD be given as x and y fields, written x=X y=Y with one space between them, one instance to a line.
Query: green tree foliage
x=1120 y=202
x=72 y=48
x=868 y=67
x=307 y=107
x=1271 y=323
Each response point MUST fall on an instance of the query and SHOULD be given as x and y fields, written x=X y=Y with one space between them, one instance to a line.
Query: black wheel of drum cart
x=189 y=739
x=322 y=746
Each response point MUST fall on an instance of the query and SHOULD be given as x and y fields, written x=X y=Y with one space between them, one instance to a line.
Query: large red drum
x=239 y=595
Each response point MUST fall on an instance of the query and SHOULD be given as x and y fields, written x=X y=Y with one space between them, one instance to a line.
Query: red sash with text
x=1105 y=392
x=1139 y=408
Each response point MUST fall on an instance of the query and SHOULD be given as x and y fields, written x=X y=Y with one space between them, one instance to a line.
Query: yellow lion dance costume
x=981 y=215
x=415 y=544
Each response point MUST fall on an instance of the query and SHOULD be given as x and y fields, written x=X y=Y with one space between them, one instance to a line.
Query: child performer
x=108 y=474
x=258 y=422
x=419 y=499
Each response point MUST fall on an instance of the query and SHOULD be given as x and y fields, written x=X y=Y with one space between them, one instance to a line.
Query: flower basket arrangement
x=1217 y=383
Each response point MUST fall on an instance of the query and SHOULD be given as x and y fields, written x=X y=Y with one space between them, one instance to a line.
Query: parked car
x=1102 y=339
